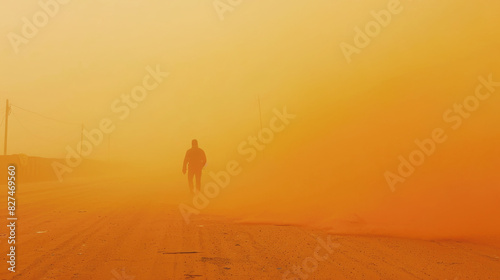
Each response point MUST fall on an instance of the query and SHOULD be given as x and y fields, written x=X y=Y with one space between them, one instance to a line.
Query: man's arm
x=203 y=158
x=184 y=165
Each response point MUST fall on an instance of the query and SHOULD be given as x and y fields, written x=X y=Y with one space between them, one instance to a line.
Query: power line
x=38 y=136
x=24 y=127
x=56 y=120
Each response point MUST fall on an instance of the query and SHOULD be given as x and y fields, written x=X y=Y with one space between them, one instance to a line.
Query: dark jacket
x=195 y=158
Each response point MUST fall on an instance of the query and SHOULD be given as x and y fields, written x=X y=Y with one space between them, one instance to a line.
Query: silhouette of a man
x=195 y=160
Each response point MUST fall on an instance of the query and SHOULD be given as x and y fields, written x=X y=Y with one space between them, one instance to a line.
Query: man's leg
x=198 y=179
x=190 y=180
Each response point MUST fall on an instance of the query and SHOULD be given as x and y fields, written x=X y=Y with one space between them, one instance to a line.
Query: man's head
x=194 y=143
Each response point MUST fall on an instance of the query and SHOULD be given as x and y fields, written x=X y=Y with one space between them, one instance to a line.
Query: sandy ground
x=101 y=230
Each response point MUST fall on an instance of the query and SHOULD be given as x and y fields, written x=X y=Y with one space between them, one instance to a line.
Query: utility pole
x=260 y=112
x=109 y=147
x=7 y=112
x=81 y=141
x=260 y=117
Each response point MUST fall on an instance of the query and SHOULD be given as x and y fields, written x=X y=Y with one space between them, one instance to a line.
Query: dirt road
x=103 y=230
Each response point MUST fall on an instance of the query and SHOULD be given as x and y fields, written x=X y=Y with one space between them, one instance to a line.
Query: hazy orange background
x=353 y=120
